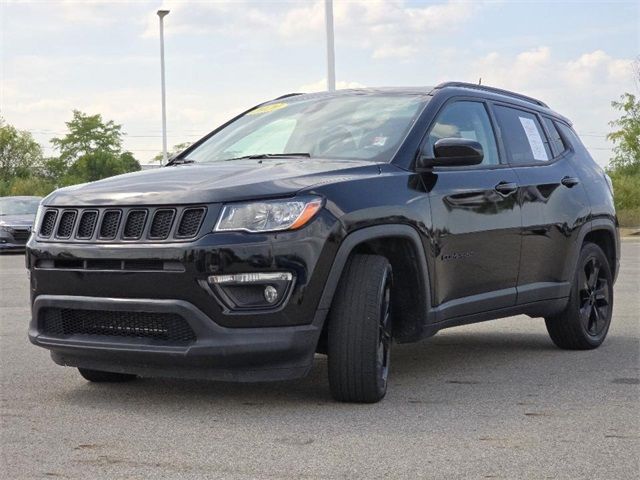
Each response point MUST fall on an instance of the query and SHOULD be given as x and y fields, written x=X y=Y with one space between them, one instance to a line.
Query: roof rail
x=286 y=95
x=499 y=91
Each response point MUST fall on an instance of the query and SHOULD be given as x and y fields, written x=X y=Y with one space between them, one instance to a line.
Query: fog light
x=251 y=291
x=270 y=294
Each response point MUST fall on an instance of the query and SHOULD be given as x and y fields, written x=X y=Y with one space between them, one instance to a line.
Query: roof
x=426 y=90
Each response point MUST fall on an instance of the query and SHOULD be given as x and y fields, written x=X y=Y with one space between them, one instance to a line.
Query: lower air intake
x=161 y=327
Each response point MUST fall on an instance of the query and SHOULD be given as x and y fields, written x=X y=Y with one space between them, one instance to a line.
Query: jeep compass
x=335 y=223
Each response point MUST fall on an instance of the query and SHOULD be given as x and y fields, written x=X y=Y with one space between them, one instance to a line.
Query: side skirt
x=533 y=309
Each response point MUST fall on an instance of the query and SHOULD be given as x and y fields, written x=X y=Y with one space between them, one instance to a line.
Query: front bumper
x=218 y=353
x=268 y=344
x=11 y=245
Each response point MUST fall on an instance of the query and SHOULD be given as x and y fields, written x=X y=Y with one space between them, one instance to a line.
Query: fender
x=370 y=233
x=605 y=224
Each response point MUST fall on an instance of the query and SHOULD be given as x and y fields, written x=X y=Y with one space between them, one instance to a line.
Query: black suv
x=329 y=223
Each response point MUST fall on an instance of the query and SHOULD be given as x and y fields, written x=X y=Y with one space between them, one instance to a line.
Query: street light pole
x=162 y=14
x=331 y=56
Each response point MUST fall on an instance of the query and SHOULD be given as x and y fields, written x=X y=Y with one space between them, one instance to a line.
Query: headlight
x=4 y=228
x=37 y=220
x=268 y=216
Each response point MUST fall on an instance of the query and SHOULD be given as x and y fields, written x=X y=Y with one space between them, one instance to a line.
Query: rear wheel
x=359 y=335
x=100 y=377
x=584 y=323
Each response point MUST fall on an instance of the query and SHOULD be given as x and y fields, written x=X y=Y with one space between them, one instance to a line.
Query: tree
x=626 y=153
x=20 y=154
x=88 y=134
x=97 y=165
x=174 y=151
x=92 y=150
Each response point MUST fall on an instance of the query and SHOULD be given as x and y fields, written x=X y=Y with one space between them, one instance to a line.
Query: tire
x=105 y=377
x=359 y=332
x=584 y=323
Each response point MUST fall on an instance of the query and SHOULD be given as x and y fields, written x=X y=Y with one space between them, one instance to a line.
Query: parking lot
x=493 y=400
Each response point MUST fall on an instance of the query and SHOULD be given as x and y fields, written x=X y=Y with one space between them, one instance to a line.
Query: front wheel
x=584 y=323
x=359 y=335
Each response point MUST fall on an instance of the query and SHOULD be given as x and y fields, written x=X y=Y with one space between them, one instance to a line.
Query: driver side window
x=467 y=120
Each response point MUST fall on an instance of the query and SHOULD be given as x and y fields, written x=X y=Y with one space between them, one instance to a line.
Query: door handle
x=506 y=188
x=570 y=181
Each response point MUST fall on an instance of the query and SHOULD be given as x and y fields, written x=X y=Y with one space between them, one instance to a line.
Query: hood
x=24 y=220
x=211 y=183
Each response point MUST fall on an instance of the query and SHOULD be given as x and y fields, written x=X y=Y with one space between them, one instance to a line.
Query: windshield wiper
x=259 y=156
x=179 y=161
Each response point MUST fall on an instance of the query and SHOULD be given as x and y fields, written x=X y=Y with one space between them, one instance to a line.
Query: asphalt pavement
x=493 y=400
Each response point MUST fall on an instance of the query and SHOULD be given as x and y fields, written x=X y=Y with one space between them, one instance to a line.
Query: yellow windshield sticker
x=272 y=107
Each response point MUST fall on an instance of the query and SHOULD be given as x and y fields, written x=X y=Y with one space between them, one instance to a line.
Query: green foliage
x=91 y=150
x=32 y=185
x=629 y=218
x=179 y=147
x=626 y=137
x=97 y=165
x=20 y=154
x=626 y=188
x=88 y=134
x=624 y=168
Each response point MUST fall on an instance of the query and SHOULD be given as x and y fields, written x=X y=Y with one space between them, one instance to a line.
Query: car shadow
x=475 y=359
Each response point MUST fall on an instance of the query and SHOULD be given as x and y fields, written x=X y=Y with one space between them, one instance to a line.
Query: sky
x=223 y=57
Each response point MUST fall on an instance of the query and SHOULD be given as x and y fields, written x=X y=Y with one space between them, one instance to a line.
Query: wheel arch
x=401 y=245
x=604 y=233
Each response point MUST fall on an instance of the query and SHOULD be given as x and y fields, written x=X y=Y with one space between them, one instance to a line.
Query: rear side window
x=523 y=136
x=557 y=145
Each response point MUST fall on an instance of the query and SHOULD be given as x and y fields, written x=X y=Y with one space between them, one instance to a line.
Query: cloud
x=387 y=28
x=580 y=88
x=321 y=85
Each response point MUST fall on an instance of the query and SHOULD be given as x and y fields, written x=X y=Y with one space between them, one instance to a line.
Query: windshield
x=359 y=126
x=19 y=206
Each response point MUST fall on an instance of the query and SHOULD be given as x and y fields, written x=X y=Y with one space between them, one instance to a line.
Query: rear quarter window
x=523 y=136
x=557 y=145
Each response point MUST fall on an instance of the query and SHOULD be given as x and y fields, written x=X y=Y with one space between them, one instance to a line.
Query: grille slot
x=161 y=327
x=110 y=223
x=161 y=224
x=190 y=222
x=134 y=225
x=65 y=226
x=21 y=235
x=104 y=264
x=48 y=222
x=143 y=265
x=87 y=224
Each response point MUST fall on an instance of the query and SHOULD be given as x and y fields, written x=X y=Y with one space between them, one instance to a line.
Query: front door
x=476 y=222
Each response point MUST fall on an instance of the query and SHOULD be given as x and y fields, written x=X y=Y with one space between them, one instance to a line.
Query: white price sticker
x=535 y=141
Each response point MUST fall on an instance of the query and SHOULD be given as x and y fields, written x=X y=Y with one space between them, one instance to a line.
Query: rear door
x=475 y=218
x=554 y=203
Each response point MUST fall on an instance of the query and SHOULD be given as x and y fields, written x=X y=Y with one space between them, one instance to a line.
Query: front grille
x=190 y=222
x=161 y=224
x=48 y=222
x=105 y=264
x=108 y=224
x=65 y=226
x=135 y=224
x=21 y=235
x=161 y=327
x=87 y=224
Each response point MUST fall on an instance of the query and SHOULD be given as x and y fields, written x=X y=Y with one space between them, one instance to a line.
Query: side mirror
x=451 y=152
